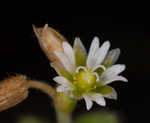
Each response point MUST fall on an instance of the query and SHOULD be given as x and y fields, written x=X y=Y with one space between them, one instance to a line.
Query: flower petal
x=93 y=48
x=80 y=53
x=68 y=50
x=78 y=45
x=65 y=61
x=101 y=53
x=99 y=99
x=113 y=71
x=112 y=95
x=112 y=56
x=61 y=70
x=65 y=85
x=109 y=80
x=88 y=101
x=57 y=66
x=62 y=88
x=62 y=80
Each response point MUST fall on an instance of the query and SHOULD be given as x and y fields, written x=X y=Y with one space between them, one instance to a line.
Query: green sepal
x=107 y=63
x=65 y=74
x=99 y=71
x=77 y=93
x=80 y=57
x=104 y=90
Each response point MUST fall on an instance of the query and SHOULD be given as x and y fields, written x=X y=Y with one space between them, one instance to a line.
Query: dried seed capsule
x=13 y=90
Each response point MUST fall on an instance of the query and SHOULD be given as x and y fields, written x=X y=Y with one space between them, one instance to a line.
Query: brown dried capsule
x=50 y=40
x=13 y=90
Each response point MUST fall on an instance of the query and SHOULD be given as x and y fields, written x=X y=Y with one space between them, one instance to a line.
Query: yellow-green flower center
x=83 y=81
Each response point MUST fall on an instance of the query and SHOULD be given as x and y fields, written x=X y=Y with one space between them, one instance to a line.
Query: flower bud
x=13 y=90
x=50 y=40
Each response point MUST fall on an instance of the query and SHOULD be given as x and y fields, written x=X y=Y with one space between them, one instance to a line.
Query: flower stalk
x=63 y=105
x=63 y=117
x=43 y=87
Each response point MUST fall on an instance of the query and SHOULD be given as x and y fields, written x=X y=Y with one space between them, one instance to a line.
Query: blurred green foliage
x=98 y=117
x=30 y=119
x=92 y=117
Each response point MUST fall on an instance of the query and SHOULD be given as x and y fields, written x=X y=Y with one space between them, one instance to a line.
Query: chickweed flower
x=87 y=76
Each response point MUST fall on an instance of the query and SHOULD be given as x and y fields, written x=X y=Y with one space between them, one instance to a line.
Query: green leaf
x=80 y=57
x=101 y=117
x=103 y=90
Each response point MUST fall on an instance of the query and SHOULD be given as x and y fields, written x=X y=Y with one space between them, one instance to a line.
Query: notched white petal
x=88 y=102
x=113 y=55
x=65 y=61
x=121 y=78
x=99 y=99
x=57 y=66
x=113 y=71
x=101 y=52
x=112 y=95
x=61 y=80
x=79 y=44
x=109 y=80
x=68 y=50
x=62 y=88
x=93 y=49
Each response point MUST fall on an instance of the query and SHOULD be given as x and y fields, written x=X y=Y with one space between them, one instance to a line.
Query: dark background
x=20 y=53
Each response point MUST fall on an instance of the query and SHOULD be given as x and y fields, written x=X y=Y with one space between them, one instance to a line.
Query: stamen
x=81 y=67
x=99 y=66
x=97 y=76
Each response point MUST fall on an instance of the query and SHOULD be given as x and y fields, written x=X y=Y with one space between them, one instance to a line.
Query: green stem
x=43 y=87
x=63 y=117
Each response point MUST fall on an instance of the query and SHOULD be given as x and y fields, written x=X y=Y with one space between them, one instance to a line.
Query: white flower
x=87 y=76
